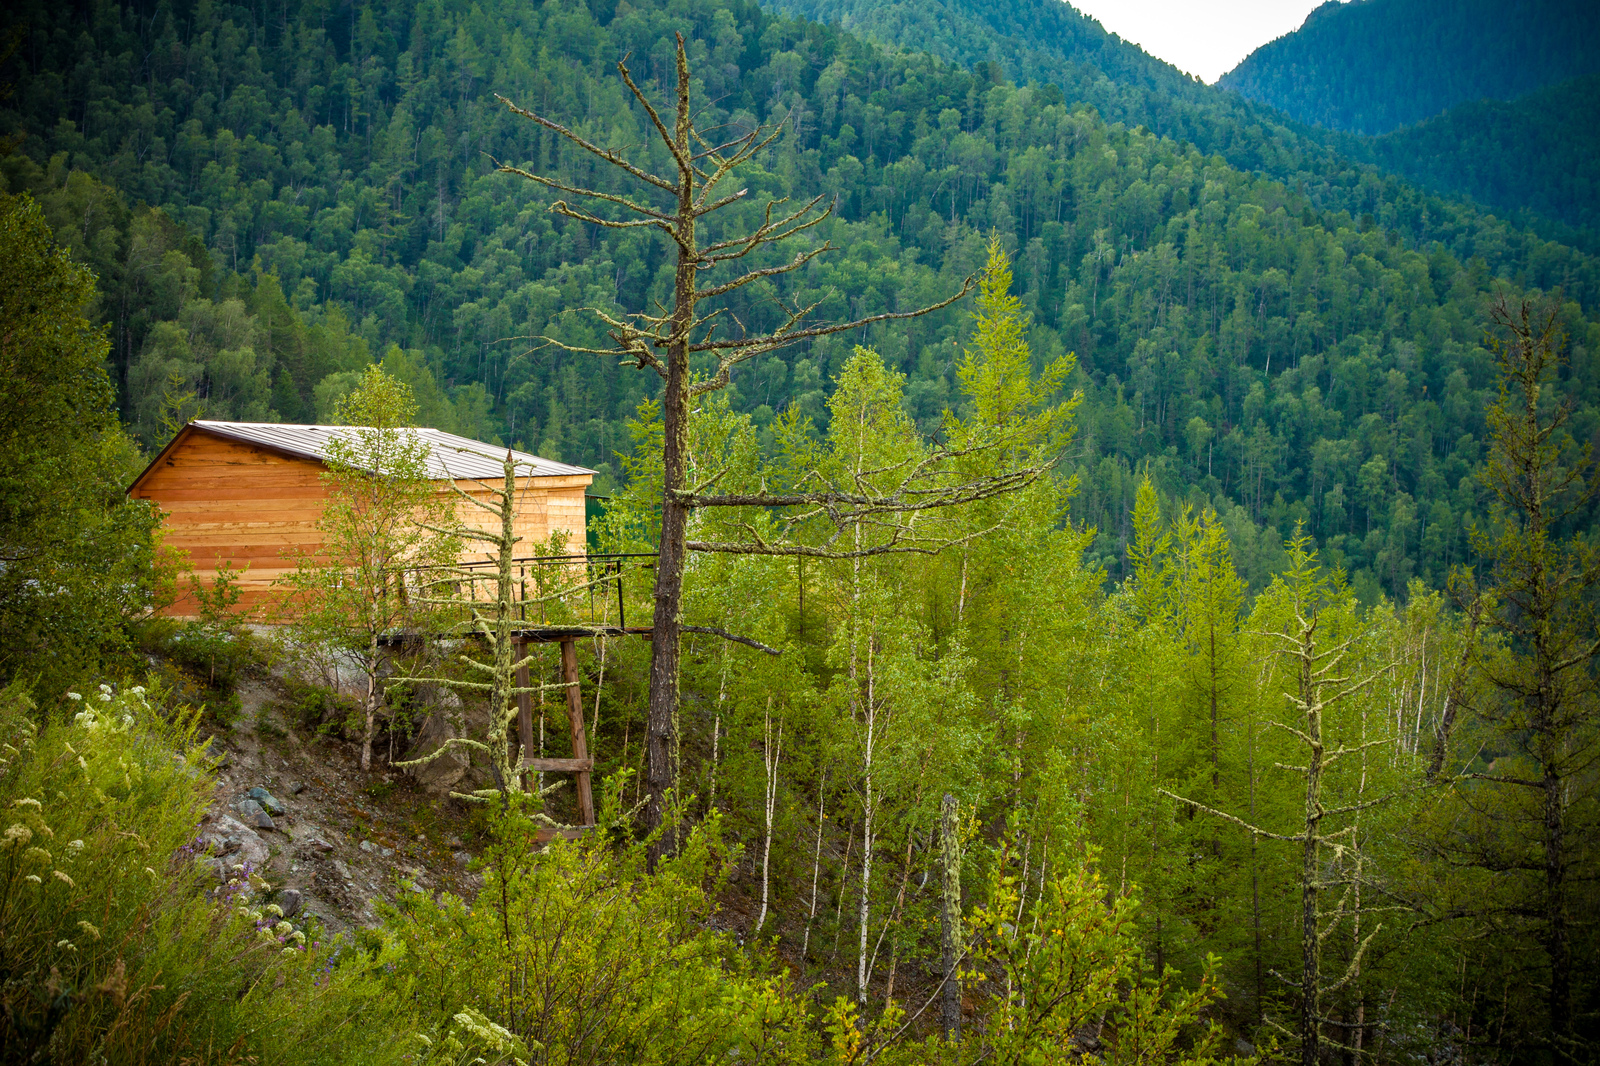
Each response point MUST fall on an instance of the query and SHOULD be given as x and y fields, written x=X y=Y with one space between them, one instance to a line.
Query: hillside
x=1375 y=65
x=1247 y=340
x=1532 y=157
x=1177 y=645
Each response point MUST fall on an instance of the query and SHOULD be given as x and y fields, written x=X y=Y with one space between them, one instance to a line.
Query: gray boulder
x=235 y=843
x=268 y=802
x=444 y=772
x=253 y=815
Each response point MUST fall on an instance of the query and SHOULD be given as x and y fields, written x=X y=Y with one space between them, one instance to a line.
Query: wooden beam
x=580 y=740
x=545 y=836
x=568 y=766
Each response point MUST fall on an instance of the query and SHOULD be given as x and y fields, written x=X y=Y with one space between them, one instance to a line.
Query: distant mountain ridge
x=1532 y=162
x=1372 y=66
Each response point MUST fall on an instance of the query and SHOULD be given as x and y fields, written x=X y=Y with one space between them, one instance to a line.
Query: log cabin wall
x=234 y=504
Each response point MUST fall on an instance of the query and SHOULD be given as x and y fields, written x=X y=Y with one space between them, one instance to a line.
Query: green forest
x=1122 y=567
x=1376 y=66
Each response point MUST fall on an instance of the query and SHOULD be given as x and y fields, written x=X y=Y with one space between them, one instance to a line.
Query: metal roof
x=449 y=456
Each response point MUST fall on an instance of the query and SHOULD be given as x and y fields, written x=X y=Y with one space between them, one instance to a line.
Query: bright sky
x=1203 y=37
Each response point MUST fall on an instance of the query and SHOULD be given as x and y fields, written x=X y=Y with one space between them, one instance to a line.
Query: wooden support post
x=524 y=712
x=580 y=741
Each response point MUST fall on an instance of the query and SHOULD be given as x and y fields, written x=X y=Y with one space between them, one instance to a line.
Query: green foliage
x=583 y=956
x=1528 y=158
x=1368 y=68
x=113 y=946
x=1314 y=316
x=1072 y=963
x=75 y=554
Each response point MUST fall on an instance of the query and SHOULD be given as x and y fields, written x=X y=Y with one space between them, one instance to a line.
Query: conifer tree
x=1534 y=811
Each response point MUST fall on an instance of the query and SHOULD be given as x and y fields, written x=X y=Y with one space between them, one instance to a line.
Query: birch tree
x=353 y=593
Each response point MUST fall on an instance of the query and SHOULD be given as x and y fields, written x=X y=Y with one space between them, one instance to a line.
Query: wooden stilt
x=524 y=713
x=580 y=740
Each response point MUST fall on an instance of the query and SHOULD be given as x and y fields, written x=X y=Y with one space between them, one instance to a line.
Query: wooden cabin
x=250 y=494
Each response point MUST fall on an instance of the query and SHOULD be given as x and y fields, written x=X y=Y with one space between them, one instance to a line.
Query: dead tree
x=665 y=341
x=492 y=622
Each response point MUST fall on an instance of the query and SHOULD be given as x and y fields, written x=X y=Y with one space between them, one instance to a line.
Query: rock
x=252 y=813
x=462 y=858
x=369 y=847
x=321 y=845
x=386 y=852
x=444 y=722
x=296 y=787
x=230 y=837
x=268 y=802
x=342 y=871
x=290 y=900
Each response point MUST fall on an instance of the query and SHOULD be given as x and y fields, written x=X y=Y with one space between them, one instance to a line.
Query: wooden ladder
x=581 y=763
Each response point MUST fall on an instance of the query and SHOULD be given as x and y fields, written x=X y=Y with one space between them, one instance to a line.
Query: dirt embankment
x=329 y=838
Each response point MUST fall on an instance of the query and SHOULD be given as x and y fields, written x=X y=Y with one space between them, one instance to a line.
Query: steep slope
x=1375 y=65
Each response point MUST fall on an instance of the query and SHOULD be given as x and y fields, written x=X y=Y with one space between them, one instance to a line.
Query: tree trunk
x=1310 y=943
x=950 y=916
x=674 y=531
x=370 y=705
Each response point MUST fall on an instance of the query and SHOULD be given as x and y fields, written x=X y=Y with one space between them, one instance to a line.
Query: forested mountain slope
x=321 y=193
x=1537 y=155
x=1374 y=65
x=1048 y=41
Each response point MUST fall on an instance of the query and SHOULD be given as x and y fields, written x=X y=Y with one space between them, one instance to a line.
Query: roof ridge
x=450 y=455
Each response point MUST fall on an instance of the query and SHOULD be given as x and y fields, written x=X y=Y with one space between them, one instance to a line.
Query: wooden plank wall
x=233 y=504
x=544 y=504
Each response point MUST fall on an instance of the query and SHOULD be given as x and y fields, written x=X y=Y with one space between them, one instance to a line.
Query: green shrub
x=117 y=945
x=201 y=663
x=316 y=708
x=582 y=955
x=109 y=946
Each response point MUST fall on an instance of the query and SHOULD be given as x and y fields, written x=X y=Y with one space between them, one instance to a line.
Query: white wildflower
x=90 y=929
x=63 y=877
x=67 y=945
x=35 y=878
x=29 y=801
x=74 y=696
x=18 y=834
